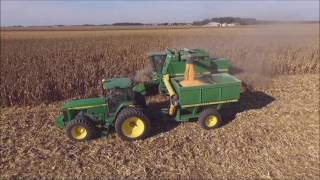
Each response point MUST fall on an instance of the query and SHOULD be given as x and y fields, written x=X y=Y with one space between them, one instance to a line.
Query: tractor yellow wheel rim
x=79 y=132
x=211 y=121
x=132 y=127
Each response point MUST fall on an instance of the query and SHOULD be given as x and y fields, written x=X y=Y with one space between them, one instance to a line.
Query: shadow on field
x=159 y=122
x=249 y=100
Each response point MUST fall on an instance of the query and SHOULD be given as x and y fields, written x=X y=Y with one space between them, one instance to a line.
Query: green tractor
x=197 y=85
x=121 y=106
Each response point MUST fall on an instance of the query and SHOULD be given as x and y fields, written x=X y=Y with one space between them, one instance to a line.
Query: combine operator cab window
x=157 y=62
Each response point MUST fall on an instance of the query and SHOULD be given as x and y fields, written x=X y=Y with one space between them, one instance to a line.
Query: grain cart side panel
x=211 y=94
x=190 y=96
x=230 y=92
x=219 y=88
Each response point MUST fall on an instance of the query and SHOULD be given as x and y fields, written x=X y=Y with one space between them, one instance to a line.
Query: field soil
x=272 y=132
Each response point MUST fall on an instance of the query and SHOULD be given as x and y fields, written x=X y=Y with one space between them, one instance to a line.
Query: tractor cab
x=117 y=90
x=120 y=90
x=116 y=83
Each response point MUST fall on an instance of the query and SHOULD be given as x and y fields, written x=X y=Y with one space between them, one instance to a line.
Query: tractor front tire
x=81 y=129
x=210 y=119
x=132 y=124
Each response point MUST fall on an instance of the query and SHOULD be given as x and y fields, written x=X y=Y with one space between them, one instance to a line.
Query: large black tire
x=132 y=124
x=81 y=128
x=210 y=119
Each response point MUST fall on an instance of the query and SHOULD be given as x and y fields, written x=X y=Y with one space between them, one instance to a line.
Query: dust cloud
x=143 y=75
x=258 y=53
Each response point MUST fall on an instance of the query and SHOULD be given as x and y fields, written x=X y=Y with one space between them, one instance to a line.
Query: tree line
x=237 y=20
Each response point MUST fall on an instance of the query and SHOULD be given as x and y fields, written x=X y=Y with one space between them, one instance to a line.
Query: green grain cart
x=123 y=105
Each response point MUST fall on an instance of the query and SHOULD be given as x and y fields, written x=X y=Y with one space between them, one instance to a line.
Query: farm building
x=213 y=24
x=224 y=25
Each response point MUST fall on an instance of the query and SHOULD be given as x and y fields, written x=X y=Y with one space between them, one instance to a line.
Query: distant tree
x=18 y=26
x=87 y=24
x=127 y=24
x=243 y=21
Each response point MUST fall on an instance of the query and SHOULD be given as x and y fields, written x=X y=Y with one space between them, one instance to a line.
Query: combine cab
x=173 y=63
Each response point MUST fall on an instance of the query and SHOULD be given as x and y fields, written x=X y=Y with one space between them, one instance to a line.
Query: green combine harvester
x=197 y=85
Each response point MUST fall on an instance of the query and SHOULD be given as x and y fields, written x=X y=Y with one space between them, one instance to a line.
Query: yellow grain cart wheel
x=81 y=129
x=210 y=119
x=132 y=124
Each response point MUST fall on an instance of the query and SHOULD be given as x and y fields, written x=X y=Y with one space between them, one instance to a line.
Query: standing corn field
x=47 y=66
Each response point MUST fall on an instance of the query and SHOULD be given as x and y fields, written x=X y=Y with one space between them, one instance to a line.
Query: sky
x=59 y=12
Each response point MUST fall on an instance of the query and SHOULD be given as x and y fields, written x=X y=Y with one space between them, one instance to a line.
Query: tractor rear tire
x=132 y=124
x=81 y=129
x=210 y=119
